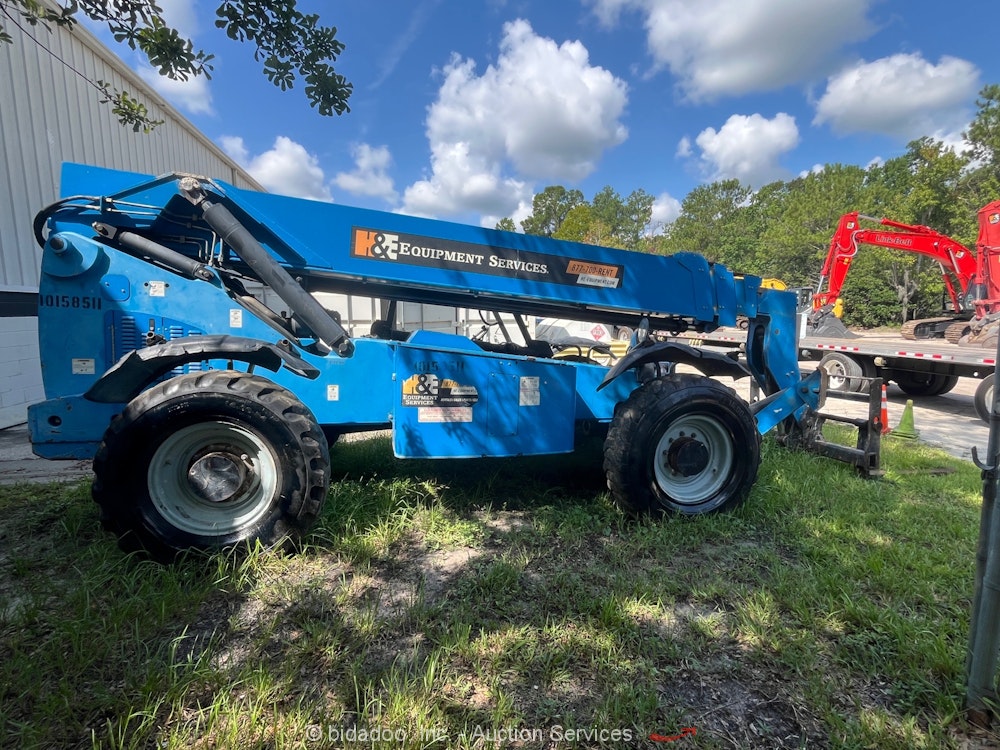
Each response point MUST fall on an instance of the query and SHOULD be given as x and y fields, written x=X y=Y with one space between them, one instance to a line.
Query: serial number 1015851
x=73 y=301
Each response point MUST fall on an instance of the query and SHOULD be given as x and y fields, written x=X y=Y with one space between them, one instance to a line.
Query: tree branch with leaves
x=289 y=44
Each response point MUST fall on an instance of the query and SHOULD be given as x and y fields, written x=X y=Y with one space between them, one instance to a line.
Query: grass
x=505 y=603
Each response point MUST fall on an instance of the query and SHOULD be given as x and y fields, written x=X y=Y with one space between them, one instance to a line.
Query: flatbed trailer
x=920 y=368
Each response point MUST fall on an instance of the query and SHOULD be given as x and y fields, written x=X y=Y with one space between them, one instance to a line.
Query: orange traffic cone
x=884 y=416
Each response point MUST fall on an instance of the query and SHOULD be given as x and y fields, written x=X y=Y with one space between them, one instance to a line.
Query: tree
x=935 y=171
x=708 y=213
x=626 y=220
x=984 y=132
x=982 y=183
x=549 y=209
x=796 y=238
x=288 y=43
x=583 y=225
x=506 y=224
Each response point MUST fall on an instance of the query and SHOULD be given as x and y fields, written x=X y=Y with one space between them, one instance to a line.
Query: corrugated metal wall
x=50 y=114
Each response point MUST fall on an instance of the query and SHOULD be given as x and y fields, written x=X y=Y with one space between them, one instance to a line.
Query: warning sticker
x=427 y=389
x=83 y=366
x=441 y=414
x=530 y=394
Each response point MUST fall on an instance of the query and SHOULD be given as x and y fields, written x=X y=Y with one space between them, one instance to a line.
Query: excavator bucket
x=823 y=322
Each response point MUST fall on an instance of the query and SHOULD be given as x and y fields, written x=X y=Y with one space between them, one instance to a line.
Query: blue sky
x=465 y=110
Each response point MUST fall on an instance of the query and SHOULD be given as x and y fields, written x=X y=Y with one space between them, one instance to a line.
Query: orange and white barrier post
x=884 y=416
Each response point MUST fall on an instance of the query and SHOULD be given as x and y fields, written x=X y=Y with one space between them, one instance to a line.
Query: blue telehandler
x=185 y=350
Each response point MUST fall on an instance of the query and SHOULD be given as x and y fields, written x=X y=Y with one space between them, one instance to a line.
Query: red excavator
x=972 y=279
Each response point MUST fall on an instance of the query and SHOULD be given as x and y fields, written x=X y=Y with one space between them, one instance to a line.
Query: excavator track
x=925 y=328
x=956 y=331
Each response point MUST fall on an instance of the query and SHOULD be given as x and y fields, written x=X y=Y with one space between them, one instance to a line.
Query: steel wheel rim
x=695 y=488
x=193 y=451
x=836 y=374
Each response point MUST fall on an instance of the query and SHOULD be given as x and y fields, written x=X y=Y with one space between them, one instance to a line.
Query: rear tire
x=210 y=460
x=845 y=373
x=924 y=383
x=983 y=398
x=682 y=444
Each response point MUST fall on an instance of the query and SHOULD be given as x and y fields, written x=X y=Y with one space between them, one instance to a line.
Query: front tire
x=208 y=461
x=682 y=444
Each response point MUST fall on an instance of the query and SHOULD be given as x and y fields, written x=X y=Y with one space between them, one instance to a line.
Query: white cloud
x=814 y=169
x=192 y=96
x=236 y=148
x=903 y=96
x=541 y=109
x=523 y=211
x=666 y=208
x=462 y=181
x=181 y=15
x=748 y=148
x=286 y=169
x=370 y=175
x=731 y=47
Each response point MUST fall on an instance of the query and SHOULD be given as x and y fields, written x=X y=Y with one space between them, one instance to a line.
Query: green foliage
x=549 y=209
x=935 y=172
x=709 y=214
x=128 y=110
x=290 y=42
x=984 y=131
x=607 y=220
x=982 y=185
x=625 y=220
x=581 y=226
x=870 y=298
x=290 y=45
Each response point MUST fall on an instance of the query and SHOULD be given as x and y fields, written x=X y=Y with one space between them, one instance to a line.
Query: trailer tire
x=983 y=398
x=845 y=372
x=209 y=461
x=683 y=444
x=924 y=383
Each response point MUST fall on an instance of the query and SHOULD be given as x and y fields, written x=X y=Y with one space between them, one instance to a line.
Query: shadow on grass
x=450 y=599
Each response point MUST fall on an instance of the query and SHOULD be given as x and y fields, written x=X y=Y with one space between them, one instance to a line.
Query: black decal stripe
x=18 y=304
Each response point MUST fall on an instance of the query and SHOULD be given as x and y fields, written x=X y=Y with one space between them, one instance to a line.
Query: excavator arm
x=958 y=263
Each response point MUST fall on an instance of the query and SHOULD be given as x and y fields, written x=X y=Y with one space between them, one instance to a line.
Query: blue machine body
x=442 y=394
